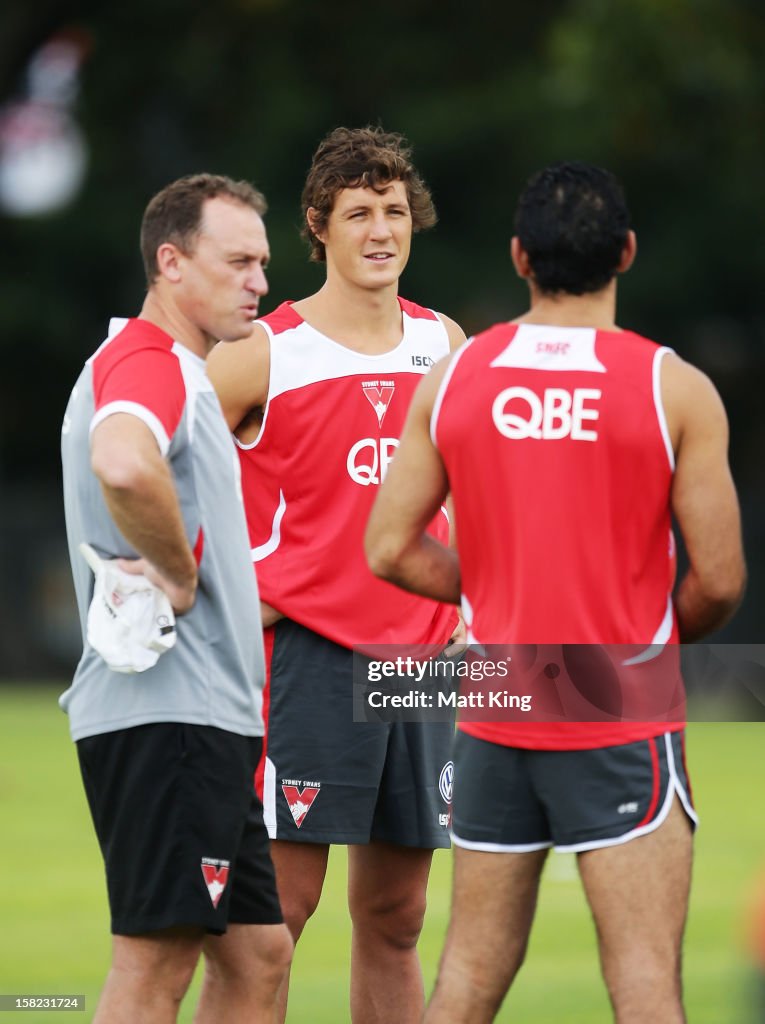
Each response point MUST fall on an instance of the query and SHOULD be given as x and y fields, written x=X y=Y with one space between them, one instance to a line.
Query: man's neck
x=594 y=309
x=169 y=318
x=365 y=320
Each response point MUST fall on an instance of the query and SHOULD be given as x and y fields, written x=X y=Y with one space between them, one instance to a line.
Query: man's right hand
x=180 y=595
x=269 y=615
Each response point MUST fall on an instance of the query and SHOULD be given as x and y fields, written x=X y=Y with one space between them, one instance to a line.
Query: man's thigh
x=638 y=893
x=322 y=770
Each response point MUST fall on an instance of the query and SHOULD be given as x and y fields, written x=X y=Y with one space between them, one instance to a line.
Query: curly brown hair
x=175 y=214
x=356 y=157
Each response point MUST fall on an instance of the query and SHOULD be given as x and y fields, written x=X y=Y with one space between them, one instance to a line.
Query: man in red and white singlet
x=317 y=398
x=567 y=443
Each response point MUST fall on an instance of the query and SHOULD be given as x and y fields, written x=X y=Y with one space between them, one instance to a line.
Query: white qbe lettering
x=369 y=458
x=557 y=414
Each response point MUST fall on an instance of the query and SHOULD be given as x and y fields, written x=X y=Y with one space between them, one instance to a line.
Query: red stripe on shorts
x=656 y=779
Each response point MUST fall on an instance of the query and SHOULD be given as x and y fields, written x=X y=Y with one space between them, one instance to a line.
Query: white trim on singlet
x=468 y=844
x=252 y=444
x=659 y=404
x=467 y=617
x=673 y=786
x=269 y=797
x=443 y=386
x=313 y=358
x=267 y=404
x=151 y=420
x=317 y=358
x=264 y=550
x=660 y=638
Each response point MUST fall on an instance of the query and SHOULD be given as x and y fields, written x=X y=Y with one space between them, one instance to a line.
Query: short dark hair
x=572 y=219
x=356 y=157
x=175 y=214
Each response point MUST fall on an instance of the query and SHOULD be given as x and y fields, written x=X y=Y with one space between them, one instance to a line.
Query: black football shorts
x=180 y=827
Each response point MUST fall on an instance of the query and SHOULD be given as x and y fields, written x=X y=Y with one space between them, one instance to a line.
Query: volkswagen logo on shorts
x=446 y=781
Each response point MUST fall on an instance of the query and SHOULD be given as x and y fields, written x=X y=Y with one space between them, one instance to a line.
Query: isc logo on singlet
x=369 y=458
x=519 y=413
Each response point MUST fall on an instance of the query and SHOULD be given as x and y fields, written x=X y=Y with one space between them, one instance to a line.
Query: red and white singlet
x=331 y=426
x=560 y=466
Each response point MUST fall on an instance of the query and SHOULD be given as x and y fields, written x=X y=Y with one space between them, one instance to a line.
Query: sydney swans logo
x=379 y=394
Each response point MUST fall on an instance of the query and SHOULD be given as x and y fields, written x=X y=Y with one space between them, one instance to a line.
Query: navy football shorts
x=511 y=800
x=328 y=779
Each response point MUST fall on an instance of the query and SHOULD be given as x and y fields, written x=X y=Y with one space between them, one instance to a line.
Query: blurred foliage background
x=669 y=94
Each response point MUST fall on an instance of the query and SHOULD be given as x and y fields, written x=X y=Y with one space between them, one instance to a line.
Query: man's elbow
x=119 y=470
x=382 y=564
x=727 y=591
x=724 y=592
x=383 y=556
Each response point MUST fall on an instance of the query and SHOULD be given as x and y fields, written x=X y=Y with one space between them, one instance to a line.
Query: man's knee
x=394 y=917
x=486 y=968
x=646 y=963
x=298 y=904
x=300 y=870
x=249 y=951
x=163 y=961
x=274 y=949
x=480 y=977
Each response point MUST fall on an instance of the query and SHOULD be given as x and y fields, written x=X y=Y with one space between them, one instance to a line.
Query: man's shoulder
x=415 y=311
x=283 y=318
x=501 y=329
x=139 y=362
x=130 y=336
x=629 y=337
x=137 y=333
x=427 y=323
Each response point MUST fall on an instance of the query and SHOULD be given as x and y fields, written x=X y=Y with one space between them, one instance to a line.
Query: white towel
x=130 y=620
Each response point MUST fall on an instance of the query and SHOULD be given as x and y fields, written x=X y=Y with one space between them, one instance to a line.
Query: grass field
x=54 y=922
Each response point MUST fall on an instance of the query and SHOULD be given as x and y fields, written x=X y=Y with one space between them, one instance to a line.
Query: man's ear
x=312 y=217
x=629 y=252
x=520 y=258
x=169 y=261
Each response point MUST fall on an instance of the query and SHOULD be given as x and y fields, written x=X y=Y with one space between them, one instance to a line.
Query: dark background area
x=668 y=95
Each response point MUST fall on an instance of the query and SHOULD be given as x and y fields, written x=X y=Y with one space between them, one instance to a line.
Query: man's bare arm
x=454 y=331
x=704 y=501
x=140 y=494
x=397 y=545
x=456 y=338
x=239 y=373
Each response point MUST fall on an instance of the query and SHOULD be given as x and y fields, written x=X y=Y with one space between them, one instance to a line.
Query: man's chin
x=239 y=331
